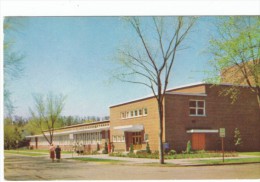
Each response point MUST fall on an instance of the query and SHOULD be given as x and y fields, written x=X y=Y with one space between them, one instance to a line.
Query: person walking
x=58 y=151
x=52 y=152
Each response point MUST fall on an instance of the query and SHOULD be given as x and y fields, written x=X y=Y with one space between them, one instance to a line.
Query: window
x=197 y=107
x=122 y=115
x=140 y=112
x=136 y=113
x=145 y=111
x=127 y=114
x=114 y=139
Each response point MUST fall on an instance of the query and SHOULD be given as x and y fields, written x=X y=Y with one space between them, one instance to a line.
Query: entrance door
x=137 y=140
x=198 y=141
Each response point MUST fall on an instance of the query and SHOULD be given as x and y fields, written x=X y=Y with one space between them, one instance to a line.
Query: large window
x=197 y=107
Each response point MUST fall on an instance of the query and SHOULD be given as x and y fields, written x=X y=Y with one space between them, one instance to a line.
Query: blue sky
x=74 y=56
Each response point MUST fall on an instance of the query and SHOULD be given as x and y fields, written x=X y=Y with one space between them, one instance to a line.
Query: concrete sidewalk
x=182 y=162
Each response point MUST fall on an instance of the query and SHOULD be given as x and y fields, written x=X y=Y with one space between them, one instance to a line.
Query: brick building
x=194 y=112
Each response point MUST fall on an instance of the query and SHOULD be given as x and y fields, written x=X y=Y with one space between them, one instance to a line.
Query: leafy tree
x=236 y=54
x=47 y=113
x=149 y=62
x=12 y=134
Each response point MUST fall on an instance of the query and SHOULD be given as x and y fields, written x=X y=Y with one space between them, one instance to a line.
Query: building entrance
x=198 y=141
x=137 y=140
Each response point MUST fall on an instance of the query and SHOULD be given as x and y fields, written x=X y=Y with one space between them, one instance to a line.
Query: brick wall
x=150 y=122
x=220 y=113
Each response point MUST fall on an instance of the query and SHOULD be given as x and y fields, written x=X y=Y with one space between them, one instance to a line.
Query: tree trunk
x=160 y=109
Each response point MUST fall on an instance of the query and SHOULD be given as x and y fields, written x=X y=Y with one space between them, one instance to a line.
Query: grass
x=28 y=152
x=197 y=154
x=230 y=161
x=89 y=159
x=21 y=152
x=250 y=153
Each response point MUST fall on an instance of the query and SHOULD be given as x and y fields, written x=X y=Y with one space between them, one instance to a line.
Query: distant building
x=88 y=135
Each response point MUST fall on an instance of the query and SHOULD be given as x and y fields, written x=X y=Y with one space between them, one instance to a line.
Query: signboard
x=71 y=136
x=222 y=132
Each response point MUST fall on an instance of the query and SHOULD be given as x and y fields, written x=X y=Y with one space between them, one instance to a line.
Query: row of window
x=197 y=108
x=83 y=138
x=134 y=113
x=117 y=138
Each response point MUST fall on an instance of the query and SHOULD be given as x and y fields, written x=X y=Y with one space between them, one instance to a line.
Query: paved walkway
x=182 y=162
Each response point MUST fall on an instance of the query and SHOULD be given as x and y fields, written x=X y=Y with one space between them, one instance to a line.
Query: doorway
x=137 y=140
x=198 y=141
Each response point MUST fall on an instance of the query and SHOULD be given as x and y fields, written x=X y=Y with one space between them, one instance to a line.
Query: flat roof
x=179 y=93
x=81 y=124
x=152 y=96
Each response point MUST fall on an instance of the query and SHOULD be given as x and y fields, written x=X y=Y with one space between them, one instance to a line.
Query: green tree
x=47 y=113
x=149 y=60
x=236 y=53
x=12 y=134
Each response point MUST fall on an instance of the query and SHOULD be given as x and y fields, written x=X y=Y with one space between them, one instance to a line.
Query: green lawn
x=229 y=161
x=28 y=152
x=89 y=159
x=22 y=152
x=250 y=153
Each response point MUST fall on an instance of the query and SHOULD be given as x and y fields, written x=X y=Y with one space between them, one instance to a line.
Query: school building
x=193 y=112
x=90 y=136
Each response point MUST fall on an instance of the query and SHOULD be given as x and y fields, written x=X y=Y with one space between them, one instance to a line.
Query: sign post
x=222 y=134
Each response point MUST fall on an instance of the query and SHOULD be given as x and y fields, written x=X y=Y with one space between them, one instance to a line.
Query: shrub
x=148 y=150
x=172 y=152
x=94 y=152
x=105 y=151
x=131 y=149
x=188 y=149
x=156 y=152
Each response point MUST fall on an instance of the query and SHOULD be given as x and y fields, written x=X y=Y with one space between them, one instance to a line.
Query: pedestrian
x=58 y=151
x=52 y=152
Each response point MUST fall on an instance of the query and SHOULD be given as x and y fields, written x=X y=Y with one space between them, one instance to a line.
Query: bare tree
x=151 y=63
x=47 y=113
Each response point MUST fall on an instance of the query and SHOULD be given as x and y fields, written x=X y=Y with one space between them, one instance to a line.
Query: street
x=18 y=167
